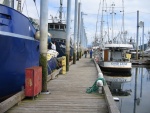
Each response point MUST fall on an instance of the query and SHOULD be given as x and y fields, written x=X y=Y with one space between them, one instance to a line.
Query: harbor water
x=131 y=90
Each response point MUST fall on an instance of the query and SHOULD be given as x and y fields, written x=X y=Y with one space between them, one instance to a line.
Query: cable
x=36 y=9
x=97 y=19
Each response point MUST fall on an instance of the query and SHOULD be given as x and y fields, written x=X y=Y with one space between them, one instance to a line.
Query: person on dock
x=85 y=53
x=53 y=46
x=91 y=52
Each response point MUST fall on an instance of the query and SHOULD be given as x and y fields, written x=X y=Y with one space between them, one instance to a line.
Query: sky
x=91 y=7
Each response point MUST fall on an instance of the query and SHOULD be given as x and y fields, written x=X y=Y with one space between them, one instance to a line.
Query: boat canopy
x=121 y=46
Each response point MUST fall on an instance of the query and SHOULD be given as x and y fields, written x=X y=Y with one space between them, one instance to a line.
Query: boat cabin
x=116 y=52
x=53 y=28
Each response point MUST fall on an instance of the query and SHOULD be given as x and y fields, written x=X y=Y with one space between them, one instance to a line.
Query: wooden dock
x=68 y=93
x=144 y=61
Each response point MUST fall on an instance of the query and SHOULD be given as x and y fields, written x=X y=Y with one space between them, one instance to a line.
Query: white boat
x=114 y=58
x=147 y=51
x=133 y=53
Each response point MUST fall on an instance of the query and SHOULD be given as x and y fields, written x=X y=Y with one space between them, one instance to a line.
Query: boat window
x=5 y=16
x=62 y=27
x=56 y=26
x=51 y=26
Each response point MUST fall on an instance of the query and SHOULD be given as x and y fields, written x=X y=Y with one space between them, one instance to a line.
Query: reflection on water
x=133 y=89
x=115 y=84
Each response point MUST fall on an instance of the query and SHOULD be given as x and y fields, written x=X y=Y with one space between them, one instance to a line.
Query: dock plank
x=68 y=93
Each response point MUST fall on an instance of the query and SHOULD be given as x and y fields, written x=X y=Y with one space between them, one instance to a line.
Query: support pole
x=137 y=35
x=82 y=37
x=78 y=39
x=68 y=34
x=43 y=42
x=75 y=30
x=81 y=32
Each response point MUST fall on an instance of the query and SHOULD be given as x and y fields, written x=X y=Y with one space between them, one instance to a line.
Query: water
x=132 y=89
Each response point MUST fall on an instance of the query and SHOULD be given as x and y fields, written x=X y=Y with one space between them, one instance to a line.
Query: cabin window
x=56 y=26
x=52 y=26
x=5 y=16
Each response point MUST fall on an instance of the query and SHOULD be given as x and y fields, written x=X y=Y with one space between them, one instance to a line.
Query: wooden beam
x=110 y=102
x=112 y=107
x=53 y=75
x=10 y=102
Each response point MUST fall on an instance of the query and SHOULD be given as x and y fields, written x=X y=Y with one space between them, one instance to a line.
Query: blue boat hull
x=16 y=55
x=18 y=50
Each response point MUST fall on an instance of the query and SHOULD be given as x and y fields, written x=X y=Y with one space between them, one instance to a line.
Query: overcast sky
x=90 y=7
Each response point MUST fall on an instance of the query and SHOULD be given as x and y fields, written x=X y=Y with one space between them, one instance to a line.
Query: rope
x=94 y=88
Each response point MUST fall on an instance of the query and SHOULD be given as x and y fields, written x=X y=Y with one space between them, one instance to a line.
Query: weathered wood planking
x=111 y=104
x=109 y=99
x=68 y=93
x=7 y=104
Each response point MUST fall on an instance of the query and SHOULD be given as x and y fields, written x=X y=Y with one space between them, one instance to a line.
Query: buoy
x=99 y=83
x=37 y=35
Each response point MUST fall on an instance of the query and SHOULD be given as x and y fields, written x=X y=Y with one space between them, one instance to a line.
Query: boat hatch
x=5 y=16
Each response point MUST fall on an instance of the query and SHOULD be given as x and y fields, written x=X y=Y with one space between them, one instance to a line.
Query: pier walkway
x=68 y=93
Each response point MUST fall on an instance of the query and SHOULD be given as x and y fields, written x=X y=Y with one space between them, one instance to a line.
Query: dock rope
x=94 y=88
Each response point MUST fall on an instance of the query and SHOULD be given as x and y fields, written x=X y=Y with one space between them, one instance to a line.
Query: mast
x=123 y=21
x=60 y=11
x=102 y=25
x=112 y=20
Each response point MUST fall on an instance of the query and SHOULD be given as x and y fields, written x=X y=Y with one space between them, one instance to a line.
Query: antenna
x=60 y=10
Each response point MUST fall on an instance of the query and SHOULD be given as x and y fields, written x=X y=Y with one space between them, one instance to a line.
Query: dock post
x=63 y=62
x=68 y=34
x=43 y=42
x=75 y=30
x=78 y=39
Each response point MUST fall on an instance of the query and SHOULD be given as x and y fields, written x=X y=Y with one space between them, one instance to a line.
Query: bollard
x=100 y=75
x=63 y=62
x=100 y=85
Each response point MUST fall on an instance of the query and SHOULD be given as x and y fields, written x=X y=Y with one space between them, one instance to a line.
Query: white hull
x=116 y=66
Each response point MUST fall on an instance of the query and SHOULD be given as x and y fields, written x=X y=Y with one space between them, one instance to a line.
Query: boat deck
x=68 y=93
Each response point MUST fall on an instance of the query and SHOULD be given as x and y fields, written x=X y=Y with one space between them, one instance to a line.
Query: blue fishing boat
x=18 y=50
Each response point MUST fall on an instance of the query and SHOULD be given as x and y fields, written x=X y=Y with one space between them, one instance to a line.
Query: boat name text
x=119 y=63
